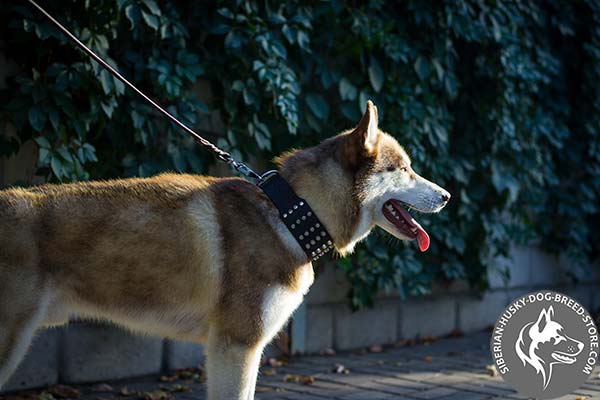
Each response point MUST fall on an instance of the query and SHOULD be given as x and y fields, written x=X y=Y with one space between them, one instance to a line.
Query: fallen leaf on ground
x=581 y=398
x=376 y=348
x=179 y=388
x=196 y=374
x=45 y=396
x=456 y=333
x=126 y=392
x=102 y=387
x=270 y=372
x=64 y=391
x=273 y=362
x=156 y=395
x=491 y=370
x=305 y=380
x=428 y=358
x=428 y=339
x=328 y=352
x=340 y=369
x=263 y=389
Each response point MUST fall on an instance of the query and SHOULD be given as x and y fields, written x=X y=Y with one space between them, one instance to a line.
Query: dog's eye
x=391 y=168
x=404 y=169
x=557 y=339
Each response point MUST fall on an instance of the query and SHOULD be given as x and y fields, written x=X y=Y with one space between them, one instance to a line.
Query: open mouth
x=563 y=358
x=394 y=212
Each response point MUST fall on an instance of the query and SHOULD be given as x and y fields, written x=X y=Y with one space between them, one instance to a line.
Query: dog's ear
x=367 y=129
x=544 y=318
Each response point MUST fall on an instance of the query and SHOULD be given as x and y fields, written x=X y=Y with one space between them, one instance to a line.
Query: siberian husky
x=196 y=258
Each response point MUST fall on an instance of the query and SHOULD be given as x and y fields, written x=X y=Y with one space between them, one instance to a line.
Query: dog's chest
x=280 y=301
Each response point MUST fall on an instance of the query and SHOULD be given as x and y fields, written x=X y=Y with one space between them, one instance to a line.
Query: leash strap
x=220 y=154
x=297 y=215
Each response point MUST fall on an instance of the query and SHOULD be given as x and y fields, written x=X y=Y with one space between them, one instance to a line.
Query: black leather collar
x=297 y=215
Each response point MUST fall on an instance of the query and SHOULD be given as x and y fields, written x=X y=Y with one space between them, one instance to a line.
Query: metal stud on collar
x=297 y=216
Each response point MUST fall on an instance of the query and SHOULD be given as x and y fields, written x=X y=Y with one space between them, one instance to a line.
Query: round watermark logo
x=545 y=344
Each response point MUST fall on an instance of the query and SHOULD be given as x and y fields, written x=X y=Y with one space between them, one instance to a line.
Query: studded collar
x=298 y=217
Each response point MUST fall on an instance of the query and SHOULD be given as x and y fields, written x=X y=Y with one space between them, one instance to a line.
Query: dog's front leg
x=231 y=368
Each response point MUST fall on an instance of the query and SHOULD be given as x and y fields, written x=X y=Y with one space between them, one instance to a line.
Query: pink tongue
x=422 y=238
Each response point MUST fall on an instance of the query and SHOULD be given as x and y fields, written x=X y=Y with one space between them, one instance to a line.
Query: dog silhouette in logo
x=544 y=343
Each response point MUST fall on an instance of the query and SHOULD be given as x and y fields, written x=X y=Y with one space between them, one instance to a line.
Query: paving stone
x=371 y=396
x=475 y=314
x=365 y=327
x=101 y=352
x=381 y=387
x=408 y=385
x=434 y=393
x=374 y=376
x=40 y=365
x=482 y=388
x=296 y=396
x=427 y=317
x=182 y=354
x=319 y=328
x=465 y=396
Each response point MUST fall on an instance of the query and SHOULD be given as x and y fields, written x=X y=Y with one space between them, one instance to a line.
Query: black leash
x=294 y=211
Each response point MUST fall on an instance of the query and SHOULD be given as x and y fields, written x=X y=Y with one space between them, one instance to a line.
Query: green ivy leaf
x=57 y=167
x=233 y=40
x=132 y=12
x=225 y=12
x=106 y=80
x=347 y=90
x=64 y=153
x=43 y=142
x=422 y=68
x=152 y=7
x=43 y=156
x=375 y=75
x=151 y=20
x=303 y=40
x=318 y=105
x=37 y=117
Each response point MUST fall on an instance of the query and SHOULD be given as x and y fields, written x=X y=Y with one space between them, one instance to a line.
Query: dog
x=542 y=344
x=197 y=258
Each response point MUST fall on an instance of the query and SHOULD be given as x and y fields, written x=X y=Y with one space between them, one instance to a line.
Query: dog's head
x=367 y=173
x=544 y=343
x=389 y=184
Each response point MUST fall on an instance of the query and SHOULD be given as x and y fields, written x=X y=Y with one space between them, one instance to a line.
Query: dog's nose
x=445 y=197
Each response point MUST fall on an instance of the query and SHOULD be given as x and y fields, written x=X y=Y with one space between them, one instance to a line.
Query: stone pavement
x=448 y=369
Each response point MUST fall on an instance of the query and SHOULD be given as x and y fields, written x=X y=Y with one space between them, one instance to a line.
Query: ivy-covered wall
x=499 y=102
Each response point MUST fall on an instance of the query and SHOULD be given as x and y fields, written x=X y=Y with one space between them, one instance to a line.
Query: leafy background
x=499 y=102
